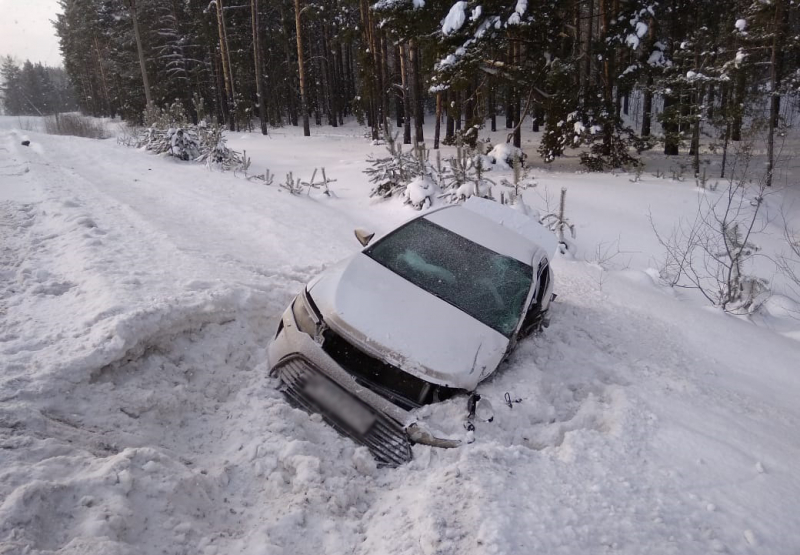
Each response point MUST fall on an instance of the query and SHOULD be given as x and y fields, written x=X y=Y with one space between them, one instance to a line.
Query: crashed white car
x=420 y=315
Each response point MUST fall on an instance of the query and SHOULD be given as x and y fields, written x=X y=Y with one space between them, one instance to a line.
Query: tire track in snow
x=167 y=393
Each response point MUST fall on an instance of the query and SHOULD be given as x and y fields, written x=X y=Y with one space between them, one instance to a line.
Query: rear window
x=490 y=287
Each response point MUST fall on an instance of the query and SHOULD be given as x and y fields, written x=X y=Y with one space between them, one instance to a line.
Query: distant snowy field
x=138 y=296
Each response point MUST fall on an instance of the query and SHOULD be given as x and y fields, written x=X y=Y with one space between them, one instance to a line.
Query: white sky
x=26 y=31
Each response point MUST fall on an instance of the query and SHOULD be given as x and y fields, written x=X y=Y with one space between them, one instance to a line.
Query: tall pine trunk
x=418 y=99
x=406 y=94
x=399 y=108
x=140 y=50
x=492 y=107
x=225 y=56
x=450 y=131
x=438 y=128
x=647 y=107
x=301 y=69
x=775 y=81
x=262 y=102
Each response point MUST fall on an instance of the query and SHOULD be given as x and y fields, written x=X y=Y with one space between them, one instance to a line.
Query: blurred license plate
x=340 y=404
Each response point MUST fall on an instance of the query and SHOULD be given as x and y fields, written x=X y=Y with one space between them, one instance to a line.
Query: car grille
x=385 y=439
x=401 y=388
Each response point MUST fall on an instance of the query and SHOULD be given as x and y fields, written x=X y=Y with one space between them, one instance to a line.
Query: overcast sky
x=26 y=31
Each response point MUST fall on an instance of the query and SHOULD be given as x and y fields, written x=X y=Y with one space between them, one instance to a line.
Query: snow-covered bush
x=419 y=193
x=391 y=174
x=466 y=177
x=169 y=133
x=504 y=154
x=453 y=180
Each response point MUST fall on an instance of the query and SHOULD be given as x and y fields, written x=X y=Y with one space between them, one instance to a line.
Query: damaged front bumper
x=312 y=380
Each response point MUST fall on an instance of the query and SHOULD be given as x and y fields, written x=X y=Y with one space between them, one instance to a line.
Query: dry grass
x=75 y=125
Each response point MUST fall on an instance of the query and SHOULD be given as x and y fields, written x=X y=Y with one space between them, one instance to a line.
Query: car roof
x=498 y=227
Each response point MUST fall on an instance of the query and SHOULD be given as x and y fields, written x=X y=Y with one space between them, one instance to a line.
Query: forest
x=34 y=89
x=699 y=71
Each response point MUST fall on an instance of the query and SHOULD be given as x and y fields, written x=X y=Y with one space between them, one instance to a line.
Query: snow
x=503 y=154
x=137 y=298
x=515 y=220
x=741 y=25
x=519 y=11
x=455 y=18
x=420 y=191
x=656 y=58
x=476 y=13
x=640 y=30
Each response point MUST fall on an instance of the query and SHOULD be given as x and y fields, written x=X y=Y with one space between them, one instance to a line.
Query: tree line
x=34 y=89
x=569 y=68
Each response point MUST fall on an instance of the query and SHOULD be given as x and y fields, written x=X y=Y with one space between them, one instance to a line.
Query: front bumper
x=297 y=360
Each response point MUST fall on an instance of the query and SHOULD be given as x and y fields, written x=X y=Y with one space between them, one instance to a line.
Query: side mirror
x=364 y=237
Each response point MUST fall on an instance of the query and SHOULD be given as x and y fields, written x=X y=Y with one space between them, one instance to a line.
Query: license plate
x=340 y=404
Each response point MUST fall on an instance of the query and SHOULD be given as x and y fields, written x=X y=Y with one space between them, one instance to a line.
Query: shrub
x=75 y=125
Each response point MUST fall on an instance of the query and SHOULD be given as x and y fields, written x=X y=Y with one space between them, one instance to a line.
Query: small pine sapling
x=267 y=177
x=558 y=222
x=519 y=180
x=458 y=185
x=439 y=172
x=243 y=166
x=421 y=157
x=483 y=185
x=324 y=184
x=638 y=170
x=392 y=173
x=293 y=185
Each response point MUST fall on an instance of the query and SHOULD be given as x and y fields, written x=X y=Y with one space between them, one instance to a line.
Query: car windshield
x=488 y=286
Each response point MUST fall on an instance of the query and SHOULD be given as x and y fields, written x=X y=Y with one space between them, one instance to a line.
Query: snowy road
x=137 y=298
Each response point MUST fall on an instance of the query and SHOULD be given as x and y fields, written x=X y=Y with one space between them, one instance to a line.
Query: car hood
x=393 y=319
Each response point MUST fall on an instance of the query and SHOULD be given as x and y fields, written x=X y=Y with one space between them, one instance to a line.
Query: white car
x=424 y=313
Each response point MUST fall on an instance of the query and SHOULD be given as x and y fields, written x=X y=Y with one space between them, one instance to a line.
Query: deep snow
x=137 y=298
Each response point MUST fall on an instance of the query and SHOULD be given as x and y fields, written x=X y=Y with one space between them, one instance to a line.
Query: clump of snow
x=465 y=190
x=519 y=11
x=455 y=18
x=419 y=193
x=741 y=25
x=503 y=155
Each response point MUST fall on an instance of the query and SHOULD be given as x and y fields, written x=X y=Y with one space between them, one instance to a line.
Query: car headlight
x=302 y=316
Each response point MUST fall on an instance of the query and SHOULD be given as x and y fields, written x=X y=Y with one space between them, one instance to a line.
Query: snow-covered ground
x=137 y=299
